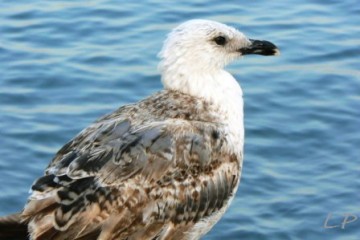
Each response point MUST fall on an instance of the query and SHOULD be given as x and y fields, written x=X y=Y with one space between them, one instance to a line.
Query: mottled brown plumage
x=159 y=166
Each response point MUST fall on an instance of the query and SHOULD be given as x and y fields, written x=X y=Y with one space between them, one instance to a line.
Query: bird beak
x=260 y=47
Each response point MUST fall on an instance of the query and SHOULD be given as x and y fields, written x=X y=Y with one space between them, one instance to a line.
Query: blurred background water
x=65 y=63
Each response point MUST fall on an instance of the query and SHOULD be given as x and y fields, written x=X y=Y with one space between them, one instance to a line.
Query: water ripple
x=65 y=63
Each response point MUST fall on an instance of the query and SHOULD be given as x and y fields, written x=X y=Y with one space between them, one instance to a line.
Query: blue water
x=65 y=63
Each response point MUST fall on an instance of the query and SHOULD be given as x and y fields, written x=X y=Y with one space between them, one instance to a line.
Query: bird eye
x=220 y=40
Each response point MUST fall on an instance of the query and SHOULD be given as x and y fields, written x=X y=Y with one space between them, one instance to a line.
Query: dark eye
x=220 y=40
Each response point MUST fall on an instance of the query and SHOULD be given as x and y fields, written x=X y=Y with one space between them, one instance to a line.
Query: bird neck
x=215 y=86
x=220 y=89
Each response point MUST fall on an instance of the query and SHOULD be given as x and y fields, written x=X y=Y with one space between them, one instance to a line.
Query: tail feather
x=11 y=227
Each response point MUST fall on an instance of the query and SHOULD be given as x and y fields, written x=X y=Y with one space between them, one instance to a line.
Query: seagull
x=166 y=167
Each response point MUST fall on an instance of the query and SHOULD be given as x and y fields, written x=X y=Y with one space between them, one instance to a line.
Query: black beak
x=260 y=47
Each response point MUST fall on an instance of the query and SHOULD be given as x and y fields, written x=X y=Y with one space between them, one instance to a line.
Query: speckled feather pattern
x=150 y=170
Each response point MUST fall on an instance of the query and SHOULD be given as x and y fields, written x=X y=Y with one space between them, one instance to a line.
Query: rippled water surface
x=65 y=63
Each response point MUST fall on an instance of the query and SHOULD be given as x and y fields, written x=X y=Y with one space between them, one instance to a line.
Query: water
x=65 y=63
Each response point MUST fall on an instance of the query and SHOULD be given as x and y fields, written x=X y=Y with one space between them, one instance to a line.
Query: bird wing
x=118 y=175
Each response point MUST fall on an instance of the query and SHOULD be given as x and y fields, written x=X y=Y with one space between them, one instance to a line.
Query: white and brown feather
x=166 y=167
x=150 y=170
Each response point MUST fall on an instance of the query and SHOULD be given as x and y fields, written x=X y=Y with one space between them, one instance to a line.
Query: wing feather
x=156 y=174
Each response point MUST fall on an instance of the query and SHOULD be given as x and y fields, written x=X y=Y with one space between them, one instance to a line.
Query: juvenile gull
x=166 y=167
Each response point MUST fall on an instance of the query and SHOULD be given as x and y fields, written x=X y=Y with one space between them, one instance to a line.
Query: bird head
x=208 y=45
